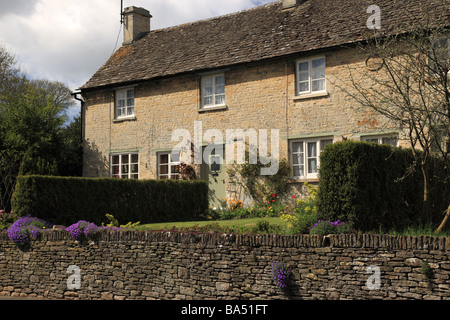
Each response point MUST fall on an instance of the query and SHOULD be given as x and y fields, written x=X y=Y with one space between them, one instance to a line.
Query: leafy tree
x=33 y=138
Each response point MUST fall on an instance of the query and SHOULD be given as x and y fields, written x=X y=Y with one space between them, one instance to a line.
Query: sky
x=69 y=40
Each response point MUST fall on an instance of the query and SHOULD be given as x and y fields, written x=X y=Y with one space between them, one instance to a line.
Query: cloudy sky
x=68 y=40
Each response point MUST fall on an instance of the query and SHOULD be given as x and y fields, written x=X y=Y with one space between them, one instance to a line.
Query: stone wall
x=172 y=265
x=258 y=96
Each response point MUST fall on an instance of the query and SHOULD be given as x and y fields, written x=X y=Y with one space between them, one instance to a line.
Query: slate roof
x=260 y=33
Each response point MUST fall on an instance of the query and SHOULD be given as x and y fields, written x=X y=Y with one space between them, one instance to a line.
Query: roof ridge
x=274 y=3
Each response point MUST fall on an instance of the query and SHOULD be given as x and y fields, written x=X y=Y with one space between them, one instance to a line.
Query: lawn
x=234 y=223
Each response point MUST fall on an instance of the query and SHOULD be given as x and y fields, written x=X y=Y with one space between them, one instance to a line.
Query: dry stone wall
x=198 y=266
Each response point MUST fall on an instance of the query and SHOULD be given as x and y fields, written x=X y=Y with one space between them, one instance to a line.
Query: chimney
x=136 y=22
x=291 y=3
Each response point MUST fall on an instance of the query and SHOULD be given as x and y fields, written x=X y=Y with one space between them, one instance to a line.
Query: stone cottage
x=272 y=67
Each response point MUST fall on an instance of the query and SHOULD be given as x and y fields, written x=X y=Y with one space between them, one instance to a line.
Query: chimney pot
x=136 y=22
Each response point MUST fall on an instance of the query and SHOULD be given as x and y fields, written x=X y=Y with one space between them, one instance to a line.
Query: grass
x=248 y=223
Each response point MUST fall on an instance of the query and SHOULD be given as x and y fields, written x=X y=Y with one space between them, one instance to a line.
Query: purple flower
x=26 y=229
x=280 y=274
x=82 y=229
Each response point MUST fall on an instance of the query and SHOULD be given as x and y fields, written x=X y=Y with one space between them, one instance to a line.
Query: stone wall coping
x=370 y=241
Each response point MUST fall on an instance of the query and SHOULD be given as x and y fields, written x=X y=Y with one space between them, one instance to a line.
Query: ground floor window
x=382 y=139
x=168 y=163
x=304 y=157
x=125 y=166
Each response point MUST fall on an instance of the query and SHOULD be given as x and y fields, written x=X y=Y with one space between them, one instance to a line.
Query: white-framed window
x=125 y=166
x=305 y=157
x=311 y=75
x=382 y=139
x=124 y=104
x=213 y=90
x=168 y=163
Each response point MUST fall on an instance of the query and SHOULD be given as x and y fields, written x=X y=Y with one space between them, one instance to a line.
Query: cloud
x=69 y=40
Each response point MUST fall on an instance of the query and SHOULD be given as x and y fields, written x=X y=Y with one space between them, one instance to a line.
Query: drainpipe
x=82 y=101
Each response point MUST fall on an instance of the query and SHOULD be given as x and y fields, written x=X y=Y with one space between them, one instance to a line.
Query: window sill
x=310 y=96
x=214 y=108
x=303 y=180
x=130 y=118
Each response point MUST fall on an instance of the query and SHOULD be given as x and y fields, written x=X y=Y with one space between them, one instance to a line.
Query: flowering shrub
x=280 y=275
x=26 y=229
x=324 y=227
x=82 y=230
x=305 y=213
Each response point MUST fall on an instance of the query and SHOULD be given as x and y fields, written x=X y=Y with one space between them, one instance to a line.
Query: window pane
x=312 y=165
x=318 y=63
x=125 y=168
x=303 y=76
x=175 y=156
x=298 y=171
x=134 y=176
x=174 y=169
x=298 y=159
x=207 y=101
x=304 y=86
x=120 y=95
x=303 y=66
x=323 y=143
x=390 y=141
x=318 y=85
x=220 y=99
x=115 y=170
x=297 y=147
x=163 y=169
x=312 y=149
x=134 y=168
x=130 y=111
x=115 y=159
x=374 y=140
x=164 y=158
x=124 y=158
x=220 y=80
x=134 y=158
x=318 y=74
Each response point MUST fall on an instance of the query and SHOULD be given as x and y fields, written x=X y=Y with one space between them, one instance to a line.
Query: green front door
x=214 y=173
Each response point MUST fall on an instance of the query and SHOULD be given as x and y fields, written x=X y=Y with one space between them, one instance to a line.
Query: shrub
x=305 y=213
x=26 y=229
x=377 y=187
x=65 y=200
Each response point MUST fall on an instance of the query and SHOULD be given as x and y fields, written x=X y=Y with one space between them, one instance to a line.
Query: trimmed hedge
x=366 y=185
x=65 y=200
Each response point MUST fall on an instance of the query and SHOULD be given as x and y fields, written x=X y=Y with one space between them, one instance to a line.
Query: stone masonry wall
x=258 y=96
x=171 y=265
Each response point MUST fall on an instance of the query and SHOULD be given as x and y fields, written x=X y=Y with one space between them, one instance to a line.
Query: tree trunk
x=426 y=207
x=444 y=223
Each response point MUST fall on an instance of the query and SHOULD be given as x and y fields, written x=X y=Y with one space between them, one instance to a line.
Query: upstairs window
x=125 y=166
x=310 y=75
x=213 y=90
x=124 y=103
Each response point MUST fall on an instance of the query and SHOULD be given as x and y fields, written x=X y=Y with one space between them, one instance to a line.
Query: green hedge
x=364 y=184
x=65 y=200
